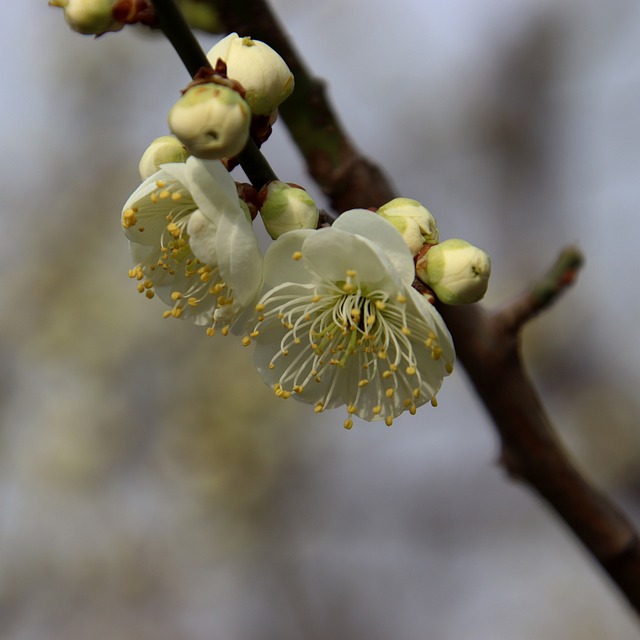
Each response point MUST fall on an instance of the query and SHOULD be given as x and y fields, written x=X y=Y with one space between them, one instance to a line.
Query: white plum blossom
x=340 y=323
x=193 y=245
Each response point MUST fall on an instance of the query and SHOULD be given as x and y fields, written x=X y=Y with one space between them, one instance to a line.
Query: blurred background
x=152 y=488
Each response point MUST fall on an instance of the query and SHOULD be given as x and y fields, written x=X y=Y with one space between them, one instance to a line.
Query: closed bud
x=89 y=17
x=161 y=151
x=286 y=207
x=211 y=121
x=414 y=222
x=456 y=271
x=261 y=71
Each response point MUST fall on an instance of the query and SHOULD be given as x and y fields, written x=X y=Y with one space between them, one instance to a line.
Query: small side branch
x=543 y=293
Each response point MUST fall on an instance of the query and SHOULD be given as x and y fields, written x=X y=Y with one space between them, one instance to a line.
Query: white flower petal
x=282 y=261
x=383 y=233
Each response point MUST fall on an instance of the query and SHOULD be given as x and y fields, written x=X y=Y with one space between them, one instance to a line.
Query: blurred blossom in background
x=152 y=487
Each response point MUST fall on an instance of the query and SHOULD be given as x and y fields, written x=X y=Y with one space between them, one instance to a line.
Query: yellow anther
x=176 y=312
x=225 y=330
x=380 y=305
x=272 y=366
x=173 y=229
x=297 y=255
x=393 y=367
x=412 y=409
x=246 y=341
x=154 y=198
x=436 y=353
x=434 y=402
x=376 y=410
x=176 y=295
x=348 y=424
x=410 y=371
x=382 y=354
x=176 y=196
x=260 y=307
x=164 y=194
x=400 y=299
x=406 y=331
x=297 y=341
x=387 y=374
x=298 y=388
x=149 y=294
x=141 y=229
x=140 y=287
x=254 y=334
x=211 y=331
x=449 y=367
x=371 y=320
x=351 y=273
x=316 y=298
x=347 y=287
x=351 y=408
x=205 y=277
x=166 y=314
x=389 y=393
x=363 y=383
x=161 y=184
x=388 y=421
x=319 y=408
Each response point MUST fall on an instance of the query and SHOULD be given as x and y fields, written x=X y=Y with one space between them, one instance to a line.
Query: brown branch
x=487 y=343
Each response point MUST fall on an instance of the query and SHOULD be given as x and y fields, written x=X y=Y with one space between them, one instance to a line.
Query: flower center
x=359 y=341
x=196 y=288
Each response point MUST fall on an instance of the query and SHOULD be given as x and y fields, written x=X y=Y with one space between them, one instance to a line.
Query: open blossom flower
x=192 y=243
x=341 y=324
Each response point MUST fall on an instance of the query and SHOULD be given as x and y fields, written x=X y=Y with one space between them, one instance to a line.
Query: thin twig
x=175 y=28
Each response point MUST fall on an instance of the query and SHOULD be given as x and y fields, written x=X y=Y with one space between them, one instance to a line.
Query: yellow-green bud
x=200 y=15
x=162 y=150
x=211 y=120
x=89 y=17
x=286 y=208
x=414 y=222
x=456 y=271
x=263 y=74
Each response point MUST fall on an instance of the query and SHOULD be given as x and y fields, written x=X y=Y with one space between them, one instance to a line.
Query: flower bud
x=161 y=151
x=414 y=222
x=456 y=271
x=89 y=17
x=211 y=120
x=286 y=208
x=263 y=74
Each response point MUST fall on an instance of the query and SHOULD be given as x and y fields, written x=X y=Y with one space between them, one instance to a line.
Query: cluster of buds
x=454 y=270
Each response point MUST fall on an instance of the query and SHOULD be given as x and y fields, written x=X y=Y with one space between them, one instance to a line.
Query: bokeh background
x=152 y=488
